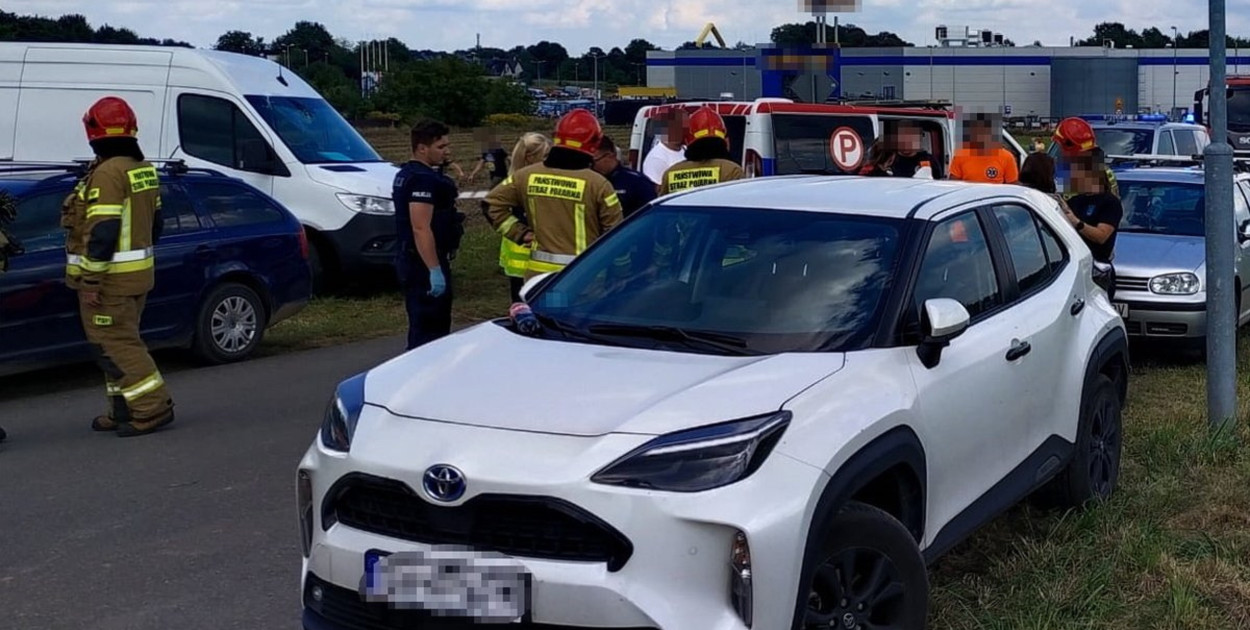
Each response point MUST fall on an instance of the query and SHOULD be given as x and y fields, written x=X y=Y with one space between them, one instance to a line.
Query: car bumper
x=677 y=573
x=364 y=244
x=1161 y=320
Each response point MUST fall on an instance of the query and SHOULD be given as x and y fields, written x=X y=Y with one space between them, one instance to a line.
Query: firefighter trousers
x=131 y=379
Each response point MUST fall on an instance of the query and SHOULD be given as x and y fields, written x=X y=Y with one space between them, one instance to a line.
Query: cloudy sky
x=579 y=24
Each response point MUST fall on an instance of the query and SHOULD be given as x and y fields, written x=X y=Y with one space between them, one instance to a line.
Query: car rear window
x=1163 y=208
x=231 y=205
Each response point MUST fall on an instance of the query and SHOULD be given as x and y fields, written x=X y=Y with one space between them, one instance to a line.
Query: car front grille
x=524 y=526
x=341 y=608
x=1130 y=283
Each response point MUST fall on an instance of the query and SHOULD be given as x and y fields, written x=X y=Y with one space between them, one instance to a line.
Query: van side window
x=215 y=130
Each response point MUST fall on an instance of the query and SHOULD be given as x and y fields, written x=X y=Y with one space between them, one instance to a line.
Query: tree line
x=463 y=87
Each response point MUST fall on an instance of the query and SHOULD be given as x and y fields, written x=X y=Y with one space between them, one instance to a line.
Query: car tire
x=1094 y=470
x=888 y=584
x=230 y=324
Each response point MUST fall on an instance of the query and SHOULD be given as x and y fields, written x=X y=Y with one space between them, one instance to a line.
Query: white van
x=244 y=116
x=776 y=136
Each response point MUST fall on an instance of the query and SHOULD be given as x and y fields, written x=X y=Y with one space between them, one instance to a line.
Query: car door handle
x=1077 y=306
x=1018 y=349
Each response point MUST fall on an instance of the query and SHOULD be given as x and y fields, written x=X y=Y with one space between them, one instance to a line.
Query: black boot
x=118 y=414
x=3 y=434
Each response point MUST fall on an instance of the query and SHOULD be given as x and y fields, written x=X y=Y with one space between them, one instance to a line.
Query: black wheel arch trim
x=899 y=445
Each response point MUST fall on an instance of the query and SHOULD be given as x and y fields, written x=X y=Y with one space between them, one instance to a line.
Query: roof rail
x=897 y=103
x=78 y=166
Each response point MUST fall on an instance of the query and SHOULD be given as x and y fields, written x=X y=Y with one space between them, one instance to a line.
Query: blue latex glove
x=438 y=282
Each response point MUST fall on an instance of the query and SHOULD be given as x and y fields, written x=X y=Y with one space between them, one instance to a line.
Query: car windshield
x=1163 y=208
x=728 y=281
x=802 y=142
x=313 y=130
x=1239 y=109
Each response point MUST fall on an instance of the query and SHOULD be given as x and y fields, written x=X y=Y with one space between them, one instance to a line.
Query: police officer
x=428 y=230
x=633 y=189
x=708 y=160
x=113 y=220
x=569 y=205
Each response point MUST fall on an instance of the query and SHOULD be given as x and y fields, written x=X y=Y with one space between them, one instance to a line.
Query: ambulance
x=777 y=136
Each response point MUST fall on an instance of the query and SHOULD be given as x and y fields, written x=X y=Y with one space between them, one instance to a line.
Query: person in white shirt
x=668 y=150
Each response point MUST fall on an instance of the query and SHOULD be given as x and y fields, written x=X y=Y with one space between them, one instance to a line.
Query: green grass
x=1170 y=551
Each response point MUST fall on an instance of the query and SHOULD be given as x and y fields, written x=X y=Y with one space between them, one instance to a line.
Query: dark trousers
x=514 y=286
x=429 y=317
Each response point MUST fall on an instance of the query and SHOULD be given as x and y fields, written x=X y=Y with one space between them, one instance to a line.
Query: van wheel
x=1094 y=470
x=230 y=324
x=868 y=573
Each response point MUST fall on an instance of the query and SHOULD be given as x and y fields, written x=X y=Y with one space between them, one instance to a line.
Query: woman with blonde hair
x=531 y=148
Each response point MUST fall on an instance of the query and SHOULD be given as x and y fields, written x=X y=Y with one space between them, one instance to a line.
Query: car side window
x=1185 y=143
x=957 y=264
x=1024 y=244
x=177 y=214
x=1166 y=146
x=1056 y=255
x=215 y=130
x=38 y=224
x=231 y=205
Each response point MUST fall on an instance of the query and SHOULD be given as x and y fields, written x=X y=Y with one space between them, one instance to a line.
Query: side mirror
x=944 y=319
x=1243 y=231
x=1103 y=275
x=533 y=284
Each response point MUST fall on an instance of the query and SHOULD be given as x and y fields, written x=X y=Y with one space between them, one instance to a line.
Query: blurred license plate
x=1122 y=309
x=449 y=582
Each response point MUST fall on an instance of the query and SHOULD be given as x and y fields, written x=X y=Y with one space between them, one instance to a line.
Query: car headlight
x=366 y=204
x=1184 y=283
x=698 y=459
x=342 y=412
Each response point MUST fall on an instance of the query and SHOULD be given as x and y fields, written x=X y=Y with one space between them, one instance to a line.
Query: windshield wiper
x=726 y=343
x=568 y=330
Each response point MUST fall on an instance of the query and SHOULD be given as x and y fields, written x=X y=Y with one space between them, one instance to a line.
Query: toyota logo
x=443 y=483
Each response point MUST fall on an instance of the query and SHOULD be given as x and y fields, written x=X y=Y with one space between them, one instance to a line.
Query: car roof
x=18 y=179
x=1169 y=174
x=890 y=197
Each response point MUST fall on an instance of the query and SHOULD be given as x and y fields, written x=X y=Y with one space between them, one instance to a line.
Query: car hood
x=1138 y=254
x=488 y=376
x=362 y=178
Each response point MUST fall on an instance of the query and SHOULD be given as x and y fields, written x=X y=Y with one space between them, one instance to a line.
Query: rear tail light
x=754 y=166
x=303 y=242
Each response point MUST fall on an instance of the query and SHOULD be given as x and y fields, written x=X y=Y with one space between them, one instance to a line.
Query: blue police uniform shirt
x=417 y=182
x=1096 y=209
x=633 y=189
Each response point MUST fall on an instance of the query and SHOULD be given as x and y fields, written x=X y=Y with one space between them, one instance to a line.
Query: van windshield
x=802 y=141
x=313 y=130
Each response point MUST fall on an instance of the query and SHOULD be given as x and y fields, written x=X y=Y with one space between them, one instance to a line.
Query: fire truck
x=1237 y=90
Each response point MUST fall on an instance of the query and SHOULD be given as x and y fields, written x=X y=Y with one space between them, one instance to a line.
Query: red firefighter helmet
x=1074 y=137
x=579 y=130
x=704 y=123
x=110 y=117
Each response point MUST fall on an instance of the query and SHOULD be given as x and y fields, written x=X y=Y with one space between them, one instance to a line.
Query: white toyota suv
x=763 y=404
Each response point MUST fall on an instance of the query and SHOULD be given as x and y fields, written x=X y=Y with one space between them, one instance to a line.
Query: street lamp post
x=1175 y=44
x=1220 y=241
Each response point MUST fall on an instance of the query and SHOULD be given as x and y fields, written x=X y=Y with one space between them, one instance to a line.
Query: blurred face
x=677 y=127
x=980 y=135
x=1084 y=178
x=908 y=140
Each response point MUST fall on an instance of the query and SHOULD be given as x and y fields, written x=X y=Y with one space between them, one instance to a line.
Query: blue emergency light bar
x=1113 y=118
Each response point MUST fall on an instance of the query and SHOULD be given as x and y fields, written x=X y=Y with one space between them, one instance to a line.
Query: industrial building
x=977 y=74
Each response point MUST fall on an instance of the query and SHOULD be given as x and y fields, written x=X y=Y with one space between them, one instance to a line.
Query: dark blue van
x=231 y=261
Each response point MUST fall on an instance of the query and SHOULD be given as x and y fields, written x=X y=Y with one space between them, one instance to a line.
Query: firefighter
x=708 y=160
x=1077 y=142
x=531 y=148
x=568 y=205
x=113 y=222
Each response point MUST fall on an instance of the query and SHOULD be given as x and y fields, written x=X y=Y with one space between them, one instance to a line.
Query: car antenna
x=282 y=79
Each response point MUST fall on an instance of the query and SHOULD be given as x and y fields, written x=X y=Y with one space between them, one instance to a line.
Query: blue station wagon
x=230 y=262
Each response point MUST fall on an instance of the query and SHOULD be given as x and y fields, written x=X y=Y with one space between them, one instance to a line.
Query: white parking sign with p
x=846 y=148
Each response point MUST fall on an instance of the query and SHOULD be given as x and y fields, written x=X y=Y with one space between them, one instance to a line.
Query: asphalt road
x=192 y=527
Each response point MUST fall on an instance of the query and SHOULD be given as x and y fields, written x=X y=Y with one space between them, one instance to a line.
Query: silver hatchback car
x=1160 y=253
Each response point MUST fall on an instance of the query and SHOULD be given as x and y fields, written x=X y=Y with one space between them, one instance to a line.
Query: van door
x=60 y=83
x=804 y=143
x=211 y=130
